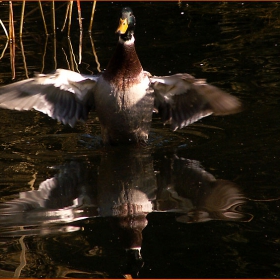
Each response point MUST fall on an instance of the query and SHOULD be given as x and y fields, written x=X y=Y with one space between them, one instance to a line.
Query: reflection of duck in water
x=130 y=189
x=124 y=194
x=124 y=95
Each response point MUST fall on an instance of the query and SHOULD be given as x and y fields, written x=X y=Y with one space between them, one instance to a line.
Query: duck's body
x=123 y=99
x=124 y=95
x=124 y=115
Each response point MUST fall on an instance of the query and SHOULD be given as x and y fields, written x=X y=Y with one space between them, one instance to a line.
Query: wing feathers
x=65 y=95
x=181 y=100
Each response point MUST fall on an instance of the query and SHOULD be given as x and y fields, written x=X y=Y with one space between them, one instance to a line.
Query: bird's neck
x=125 y=64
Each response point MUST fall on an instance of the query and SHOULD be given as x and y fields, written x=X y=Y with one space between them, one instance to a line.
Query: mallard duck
x=124 y=95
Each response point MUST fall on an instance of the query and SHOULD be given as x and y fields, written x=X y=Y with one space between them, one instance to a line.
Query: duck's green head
x=127 y=24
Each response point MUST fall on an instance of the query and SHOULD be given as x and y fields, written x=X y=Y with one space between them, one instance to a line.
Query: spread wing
x=65 y=95
x=181 y=100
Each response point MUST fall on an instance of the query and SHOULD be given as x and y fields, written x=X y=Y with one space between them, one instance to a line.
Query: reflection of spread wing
x=65 y=198
x=65 y=95
x=184 y=176
x=185 y=187
x=181 y=99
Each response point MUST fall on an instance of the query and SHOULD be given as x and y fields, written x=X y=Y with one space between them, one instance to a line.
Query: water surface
x=202 y=202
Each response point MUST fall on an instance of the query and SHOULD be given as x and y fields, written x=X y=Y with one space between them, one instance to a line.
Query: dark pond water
x=201 y=202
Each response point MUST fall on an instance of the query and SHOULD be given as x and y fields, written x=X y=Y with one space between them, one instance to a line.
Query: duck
x=124 y=96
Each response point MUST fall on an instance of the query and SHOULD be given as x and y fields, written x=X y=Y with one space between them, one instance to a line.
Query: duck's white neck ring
x=128 y=42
